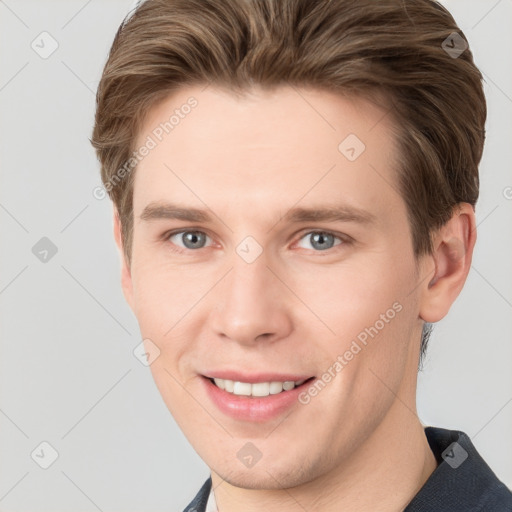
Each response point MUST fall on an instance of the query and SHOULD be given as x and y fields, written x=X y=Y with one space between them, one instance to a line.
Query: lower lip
x=255 y=409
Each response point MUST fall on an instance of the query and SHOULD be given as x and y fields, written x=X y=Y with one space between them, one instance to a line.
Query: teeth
x=242 y=388
x=275 y=388
x=259 y=389
x=288 y=385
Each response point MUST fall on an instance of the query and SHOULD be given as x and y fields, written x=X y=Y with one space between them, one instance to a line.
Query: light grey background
x=67 y=372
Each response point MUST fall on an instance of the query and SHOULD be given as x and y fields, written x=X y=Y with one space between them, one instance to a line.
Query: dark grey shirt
x=462 y=481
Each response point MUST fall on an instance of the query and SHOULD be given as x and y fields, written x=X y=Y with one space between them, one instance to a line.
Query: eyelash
x=345 y=239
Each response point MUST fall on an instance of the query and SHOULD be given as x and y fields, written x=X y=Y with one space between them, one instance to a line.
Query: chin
x=267 y=478
x=261 y=480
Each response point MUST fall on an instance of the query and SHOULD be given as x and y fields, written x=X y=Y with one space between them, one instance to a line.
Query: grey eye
x=321 y=240
x=189 y=239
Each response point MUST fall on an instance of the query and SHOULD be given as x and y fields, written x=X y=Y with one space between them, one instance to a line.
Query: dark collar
x=462 y=481
x=198 y=504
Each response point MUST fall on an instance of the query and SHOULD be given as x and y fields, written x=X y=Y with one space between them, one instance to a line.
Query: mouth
x=257 y=389
x=257 y=398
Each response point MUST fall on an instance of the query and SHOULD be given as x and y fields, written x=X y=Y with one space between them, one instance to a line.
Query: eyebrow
x=343 y=213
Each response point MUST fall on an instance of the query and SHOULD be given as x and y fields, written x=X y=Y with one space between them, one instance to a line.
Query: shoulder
x=462 y=481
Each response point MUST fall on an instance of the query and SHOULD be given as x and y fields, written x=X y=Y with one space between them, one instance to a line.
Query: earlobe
x=126 y=278
x=451 y=261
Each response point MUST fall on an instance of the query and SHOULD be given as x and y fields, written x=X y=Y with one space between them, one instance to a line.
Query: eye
x=188 y=239
x=321 y=240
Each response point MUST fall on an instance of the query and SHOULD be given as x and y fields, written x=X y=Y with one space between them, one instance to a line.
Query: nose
x=253 y=305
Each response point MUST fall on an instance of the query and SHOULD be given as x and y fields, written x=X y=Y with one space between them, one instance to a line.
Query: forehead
x=276 y=148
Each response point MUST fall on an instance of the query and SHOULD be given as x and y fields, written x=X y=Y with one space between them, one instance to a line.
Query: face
x=270 y=245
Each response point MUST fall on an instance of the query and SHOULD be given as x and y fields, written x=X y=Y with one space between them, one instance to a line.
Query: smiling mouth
x=257 y=389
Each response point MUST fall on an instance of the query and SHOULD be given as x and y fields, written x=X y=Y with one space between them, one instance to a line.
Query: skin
x=296 y=307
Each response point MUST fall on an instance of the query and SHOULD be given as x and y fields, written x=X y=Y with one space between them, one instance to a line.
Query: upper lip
x=253 y=378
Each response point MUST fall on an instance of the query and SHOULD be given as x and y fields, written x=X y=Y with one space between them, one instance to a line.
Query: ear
x=450 y=263
x=126 y=277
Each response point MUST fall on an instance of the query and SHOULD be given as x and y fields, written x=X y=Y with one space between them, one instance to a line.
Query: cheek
x=349 y=297
x=164 y=294
x=155 y=303
x=372 y=316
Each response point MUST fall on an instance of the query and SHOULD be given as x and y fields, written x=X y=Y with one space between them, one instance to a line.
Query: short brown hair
x=410 y=52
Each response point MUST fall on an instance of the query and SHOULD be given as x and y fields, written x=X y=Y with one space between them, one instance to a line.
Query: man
x=294 y=187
